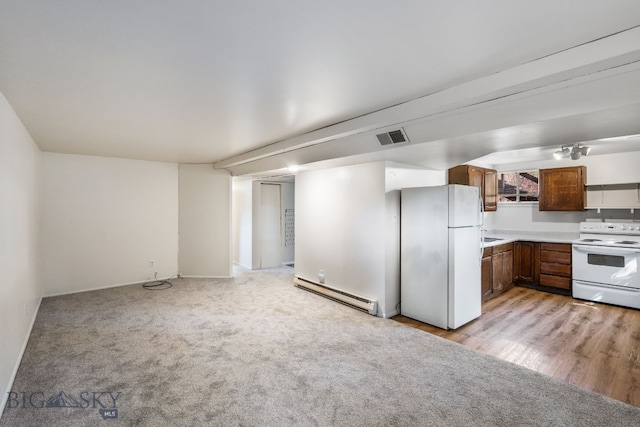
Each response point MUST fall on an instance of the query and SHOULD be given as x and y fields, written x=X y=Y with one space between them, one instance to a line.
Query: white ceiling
x=206 y=81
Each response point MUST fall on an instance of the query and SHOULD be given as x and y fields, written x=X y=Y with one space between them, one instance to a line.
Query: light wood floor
x=594 y=346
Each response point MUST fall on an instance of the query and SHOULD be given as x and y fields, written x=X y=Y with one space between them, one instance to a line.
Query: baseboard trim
x=205 y=277
x=390 y=314
x=5 y=395
x=110 y=286
x=236 y=263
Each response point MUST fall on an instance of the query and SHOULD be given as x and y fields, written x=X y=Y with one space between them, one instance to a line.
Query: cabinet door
x=485 y=179
x=497 y=263
x=459 y=175
x=507 y=261
x=487 y=278
x=476 y=177
x=562 y=189
x=502 y=264
x=525 y=262
x=490 y=190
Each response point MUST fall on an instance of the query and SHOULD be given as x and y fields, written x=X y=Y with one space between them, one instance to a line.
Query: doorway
x=263 y=232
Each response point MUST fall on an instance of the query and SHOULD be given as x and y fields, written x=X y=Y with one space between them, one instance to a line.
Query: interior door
x=270 y=223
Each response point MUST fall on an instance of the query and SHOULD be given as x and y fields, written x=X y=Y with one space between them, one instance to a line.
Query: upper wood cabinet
x=563 y=189
x=485 y=179
x=490 y=190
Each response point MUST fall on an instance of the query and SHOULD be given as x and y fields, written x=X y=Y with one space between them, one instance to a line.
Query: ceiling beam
x=600 y=59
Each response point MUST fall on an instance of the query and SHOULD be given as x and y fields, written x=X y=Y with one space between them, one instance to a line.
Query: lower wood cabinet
x=487 y=277
x=555 y=265
x=526 y=264
x=497 y=270
x=543 y=265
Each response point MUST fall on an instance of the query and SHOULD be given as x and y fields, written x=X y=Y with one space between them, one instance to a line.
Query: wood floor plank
x=594 y=346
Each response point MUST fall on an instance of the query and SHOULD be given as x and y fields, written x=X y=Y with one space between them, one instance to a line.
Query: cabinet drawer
x=556 y=247
x=555 y=281
x=555 y=257
x=555 y=269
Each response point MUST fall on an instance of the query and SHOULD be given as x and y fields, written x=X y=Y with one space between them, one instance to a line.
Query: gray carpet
x=256 y=351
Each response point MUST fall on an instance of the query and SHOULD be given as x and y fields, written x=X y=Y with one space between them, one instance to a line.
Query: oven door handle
x=605 y=250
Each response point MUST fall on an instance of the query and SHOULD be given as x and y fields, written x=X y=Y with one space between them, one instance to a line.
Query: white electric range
x=606 y=262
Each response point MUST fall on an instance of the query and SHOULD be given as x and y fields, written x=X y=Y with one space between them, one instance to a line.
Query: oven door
x=606 y=265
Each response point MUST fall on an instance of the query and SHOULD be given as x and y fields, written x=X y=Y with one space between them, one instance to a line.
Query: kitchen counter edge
x=528 y=236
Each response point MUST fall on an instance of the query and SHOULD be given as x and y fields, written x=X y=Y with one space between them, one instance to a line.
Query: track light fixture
x=563 y=153
x=575 y=152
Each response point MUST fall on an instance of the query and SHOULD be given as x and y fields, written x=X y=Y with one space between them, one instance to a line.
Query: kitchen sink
x=491 y=239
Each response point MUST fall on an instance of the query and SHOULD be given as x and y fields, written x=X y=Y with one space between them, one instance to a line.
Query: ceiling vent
x=393 y=137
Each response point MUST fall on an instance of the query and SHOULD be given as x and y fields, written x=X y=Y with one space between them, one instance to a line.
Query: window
x=519 y=186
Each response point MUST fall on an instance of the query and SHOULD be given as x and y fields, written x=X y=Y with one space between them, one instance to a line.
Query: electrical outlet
x=152 y=264
x=26 y=310
x=321 y=276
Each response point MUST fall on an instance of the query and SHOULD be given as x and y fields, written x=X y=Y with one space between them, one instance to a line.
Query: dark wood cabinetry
x=526 y=262
x=487 y=278
x=555 y=265
x=543 y=265
x=490 y=185
x=502 y=264
x=497 y=270
x=485 y=179
x=562 y=189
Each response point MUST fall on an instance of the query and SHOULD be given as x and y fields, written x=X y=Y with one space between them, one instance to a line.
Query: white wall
x=20 y=191
x=400 y=176
x=242 y=222
x=619 y=168
x=527 y=217
x=392 y=261
x=105 y=219
x=205 y=221
x=397 y=177
x=601 y=169
x=341 y=228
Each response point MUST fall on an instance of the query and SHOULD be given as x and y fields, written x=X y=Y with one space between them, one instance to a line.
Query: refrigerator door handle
x=481 y=221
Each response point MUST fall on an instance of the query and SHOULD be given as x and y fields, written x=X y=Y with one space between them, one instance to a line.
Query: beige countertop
x=529 y=236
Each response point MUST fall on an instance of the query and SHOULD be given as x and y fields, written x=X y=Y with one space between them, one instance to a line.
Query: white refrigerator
x=441 y=255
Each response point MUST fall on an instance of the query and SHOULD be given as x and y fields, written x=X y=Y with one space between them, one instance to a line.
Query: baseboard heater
x=353 y=301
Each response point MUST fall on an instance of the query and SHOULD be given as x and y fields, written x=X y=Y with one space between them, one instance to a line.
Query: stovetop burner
x=618 y=234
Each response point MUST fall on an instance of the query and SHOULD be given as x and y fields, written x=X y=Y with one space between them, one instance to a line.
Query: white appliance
x=440 y=255
x=606 y=261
